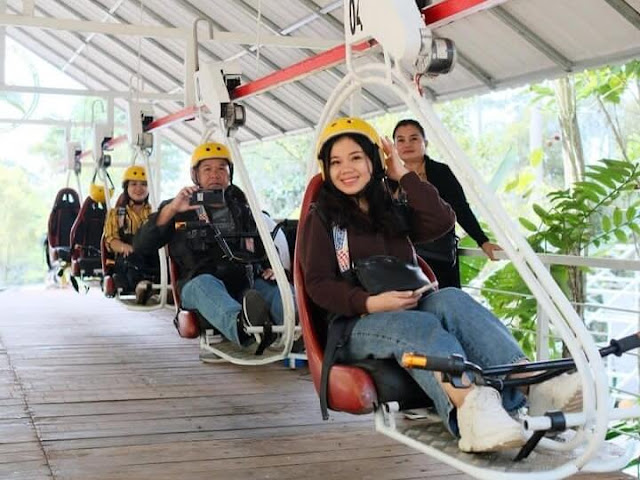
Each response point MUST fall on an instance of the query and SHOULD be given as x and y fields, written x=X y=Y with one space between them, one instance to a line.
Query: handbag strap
x=341 y=247
x=340 y=240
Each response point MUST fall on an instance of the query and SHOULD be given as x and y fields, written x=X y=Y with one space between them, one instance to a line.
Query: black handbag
x=384 y=273
x=444 y=249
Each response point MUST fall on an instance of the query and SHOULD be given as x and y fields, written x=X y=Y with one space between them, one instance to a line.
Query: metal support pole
x=542 y=331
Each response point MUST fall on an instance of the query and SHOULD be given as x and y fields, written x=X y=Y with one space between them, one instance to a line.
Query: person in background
x=441 y=254
x=133 y=271
x=229 y=294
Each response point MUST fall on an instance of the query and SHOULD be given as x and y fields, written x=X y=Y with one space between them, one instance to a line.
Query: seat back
x=352 y=388
x=64 y=212
x=85 y=236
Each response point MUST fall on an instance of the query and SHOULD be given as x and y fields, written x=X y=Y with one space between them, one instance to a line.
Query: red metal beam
x=448 y=11
x=186 y=113
x=298 y=70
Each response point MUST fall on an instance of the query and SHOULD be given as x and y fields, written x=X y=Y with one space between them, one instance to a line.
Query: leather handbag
x=444 y=249
x=384 y=273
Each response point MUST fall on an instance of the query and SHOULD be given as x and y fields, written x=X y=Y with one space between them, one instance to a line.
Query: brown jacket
x=324 y=283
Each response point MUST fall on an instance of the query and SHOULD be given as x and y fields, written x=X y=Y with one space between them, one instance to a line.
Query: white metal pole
x=3 y=44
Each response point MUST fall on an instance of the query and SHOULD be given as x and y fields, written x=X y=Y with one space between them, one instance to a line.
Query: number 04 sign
x=395 y=24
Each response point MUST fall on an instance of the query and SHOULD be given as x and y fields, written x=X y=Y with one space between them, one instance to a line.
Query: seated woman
x=132 y=270
x=355 y=218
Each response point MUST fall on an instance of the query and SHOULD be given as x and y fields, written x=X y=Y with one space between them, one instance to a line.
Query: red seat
x=64 y=212
x=84 y=238
x=352 y=388
x=186 y=322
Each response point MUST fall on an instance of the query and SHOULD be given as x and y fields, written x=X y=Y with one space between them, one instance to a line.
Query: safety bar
x=455 y=365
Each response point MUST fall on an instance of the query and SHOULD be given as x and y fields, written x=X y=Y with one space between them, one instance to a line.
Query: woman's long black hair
x=342 y=210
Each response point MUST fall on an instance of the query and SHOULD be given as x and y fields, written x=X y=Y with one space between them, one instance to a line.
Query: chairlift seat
x=355 y=388
x=63 y=214
x=85 y=236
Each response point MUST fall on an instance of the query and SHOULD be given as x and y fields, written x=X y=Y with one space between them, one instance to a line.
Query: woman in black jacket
x=441 y=254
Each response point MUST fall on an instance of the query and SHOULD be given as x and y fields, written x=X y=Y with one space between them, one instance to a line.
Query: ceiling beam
x=627 y=11
x=87 y=40
x=138 y=30
x=532 y=38
x=93 y=93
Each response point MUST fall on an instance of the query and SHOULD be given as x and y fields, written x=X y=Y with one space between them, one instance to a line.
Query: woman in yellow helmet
x=356 y=221
x=132 y=210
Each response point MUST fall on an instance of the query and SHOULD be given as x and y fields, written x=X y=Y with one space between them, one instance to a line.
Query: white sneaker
x=485 y=426
x=560 y=393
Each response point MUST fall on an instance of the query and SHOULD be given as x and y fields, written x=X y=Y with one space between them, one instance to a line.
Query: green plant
x=588 y=215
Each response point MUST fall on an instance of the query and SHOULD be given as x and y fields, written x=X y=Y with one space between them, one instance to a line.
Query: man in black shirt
x=212 y=280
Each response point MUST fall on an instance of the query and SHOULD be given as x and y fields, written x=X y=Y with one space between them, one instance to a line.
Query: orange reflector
x=411 y=360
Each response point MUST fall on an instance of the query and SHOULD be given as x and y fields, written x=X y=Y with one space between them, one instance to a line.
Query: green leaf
x=630 y=213
x=596 y=187
x=617 y=217
x=606 y=223
x=511 y=185
x=541 y=212
x=527 y=224
x=536 y=157
x=621 y=236
x=604 y=178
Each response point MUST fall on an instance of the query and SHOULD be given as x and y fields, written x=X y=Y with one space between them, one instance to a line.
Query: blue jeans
x=208 y=295
x=445 y=322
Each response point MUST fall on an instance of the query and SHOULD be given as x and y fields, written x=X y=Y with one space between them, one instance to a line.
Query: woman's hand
x=126 y=249
x=489 y=248
x=395 y=166
x=392 y=301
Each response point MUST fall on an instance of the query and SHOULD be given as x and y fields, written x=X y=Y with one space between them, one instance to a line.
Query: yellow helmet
x=134 y=172
x=207 y=151
x=341 y=126
x=96 y=192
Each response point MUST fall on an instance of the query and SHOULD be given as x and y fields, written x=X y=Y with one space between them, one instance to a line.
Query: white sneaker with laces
x=560 y=393
x=485 y=426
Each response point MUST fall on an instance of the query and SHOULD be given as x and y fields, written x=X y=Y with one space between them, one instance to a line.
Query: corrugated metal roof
x=515 y=42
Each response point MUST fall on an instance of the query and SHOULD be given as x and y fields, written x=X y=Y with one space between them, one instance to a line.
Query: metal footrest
x=431 y=437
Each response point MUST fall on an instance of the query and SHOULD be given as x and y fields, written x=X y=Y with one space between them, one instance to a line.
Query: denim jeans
x=445 y=322
x=208 y=295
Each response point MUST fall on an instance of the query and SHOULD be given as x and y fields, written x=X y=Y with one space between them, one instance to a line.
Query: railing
x=618 y=313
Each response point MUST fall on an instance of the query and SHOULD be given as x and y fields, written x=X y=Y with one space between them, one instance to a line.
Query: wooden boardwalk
x=90 y=390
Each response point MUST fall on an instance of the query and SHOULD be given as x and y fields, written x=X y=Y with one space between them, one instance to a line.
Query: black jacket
x=441 y=177
x=195 y=250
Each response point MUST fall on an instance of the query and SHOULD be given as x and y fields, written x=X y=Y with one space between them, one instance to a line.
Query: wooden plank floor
x=90 y=390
